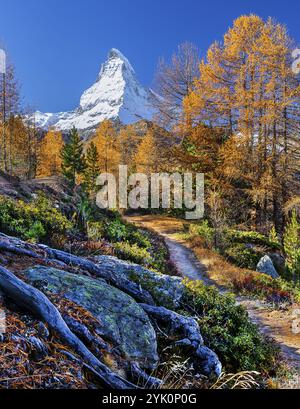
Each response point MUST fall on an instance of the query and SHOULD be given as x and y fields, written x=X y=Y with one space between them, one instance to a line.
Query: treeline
x=81 y=162
x=233 y=115
x=239 y=120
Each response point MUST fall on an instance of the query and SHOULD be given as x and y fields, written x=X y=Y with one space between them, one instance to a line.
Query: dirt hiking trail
x=272 y=322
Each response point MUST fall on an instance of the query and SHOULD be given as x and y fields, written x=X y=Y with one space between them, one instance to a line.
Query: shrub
x=243 y=256
x=132 y=252
x=115 y=231
x=277 y=291
x=253 y=237
x=95 y=231
x=36 y=232
x=204 y=231
x=291 y=242
x=38 y=220
x=227 y=329
x=136 y=237
x=130 y=243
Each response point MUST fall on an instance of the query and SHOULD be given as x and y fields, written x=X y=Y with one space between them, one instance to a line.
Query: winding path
x=271 y=322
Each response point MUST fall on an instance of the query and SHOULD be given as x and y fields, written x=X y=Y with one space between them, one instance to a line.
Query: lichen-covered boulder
x=266 y=266
x=166 y=290
x=121 y=320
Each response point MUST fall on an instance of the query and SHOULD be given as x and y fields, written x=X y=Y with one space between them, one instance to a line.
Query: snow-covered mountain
x=115 y=95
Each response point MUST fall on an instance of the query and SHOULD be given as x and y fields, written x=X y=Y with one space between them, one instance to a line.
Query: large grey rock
x=166 y=290
x=266 y=266
x=121 y=320
x=278 y=262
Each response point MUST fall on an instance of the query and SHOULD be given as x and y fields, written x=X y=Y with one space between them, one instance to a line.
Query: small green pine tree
x=73 y=160
x=92 y=168
x=291 y=243
x=273 y=236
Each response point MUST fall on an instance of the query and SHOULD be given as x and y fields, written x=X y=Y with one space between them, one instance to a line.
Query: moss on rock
x=121 y=320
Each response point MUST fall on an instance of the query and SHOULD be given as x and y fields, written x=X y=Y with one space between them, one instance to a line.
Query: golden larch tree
x=49 y=159
x=107 y=145
x=147 y=156
x=246 y=87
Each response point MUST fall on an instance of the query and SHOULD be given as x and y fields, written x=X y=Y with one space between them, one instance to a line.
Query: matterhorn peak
x=115 y=53
x=116 y=95
x=115 y=61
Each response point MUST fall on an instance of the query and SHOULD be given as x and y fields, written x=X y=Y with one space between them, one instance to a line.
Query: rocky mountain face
x=116 y=95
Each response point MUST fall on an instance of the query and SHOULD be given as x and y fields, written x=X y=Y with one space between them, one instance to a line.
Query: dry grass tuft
x=217 y=267
x=241 y=380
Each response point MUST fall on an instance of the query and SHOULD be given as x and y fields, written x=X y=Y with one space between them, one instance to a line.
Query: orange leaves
x=49 y=160
x=147 y=156
x=106 y=143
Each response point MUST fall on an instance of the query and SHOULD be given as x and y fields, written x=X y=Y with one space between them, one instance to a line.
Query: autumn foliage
x=49 y=157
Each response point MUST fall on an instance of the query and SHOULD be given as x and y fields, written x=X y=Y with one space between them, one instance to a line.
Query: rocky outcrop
x=266 y=266
x=165 y=290
x=111 y=290
x=121 y=320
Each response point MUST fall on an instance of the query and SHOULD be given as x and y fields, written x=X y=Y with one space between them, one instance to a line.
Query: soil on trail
x=272 y=322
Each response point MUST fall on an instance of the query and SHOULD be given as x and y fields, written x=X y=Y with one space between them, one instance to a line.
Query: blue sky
x=57 y=46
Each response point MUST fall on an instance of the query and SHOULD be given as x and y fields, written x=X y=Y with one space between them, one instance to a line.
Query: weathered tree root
x=4 y=246
x=205 y=360
x=139 y=376
x=38 y=304
x=188 y=326
x=84 y=334
x=121 y=283
x=11 y=244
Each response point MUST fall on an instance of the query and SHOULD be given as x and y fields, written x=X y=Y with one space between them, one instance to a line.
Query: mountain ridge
x=116 y=95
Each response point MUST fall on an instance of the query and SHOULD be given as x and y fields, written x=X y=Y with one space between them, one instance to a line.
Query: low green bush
x=136 y=237
x=115 y=231
x=204 y=231
x=252 y=237
x=38 y=220
x=130 y=242
x=243 y=255
x=227 y=329
x=134 y=253
x=277 y=291
x=231 y=237
x=95 y=230
x=36 y=232
x=118 y=231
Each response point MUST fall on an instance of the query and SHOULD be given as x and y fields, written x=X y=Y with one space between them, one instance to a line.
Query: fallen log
x=39 y=305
